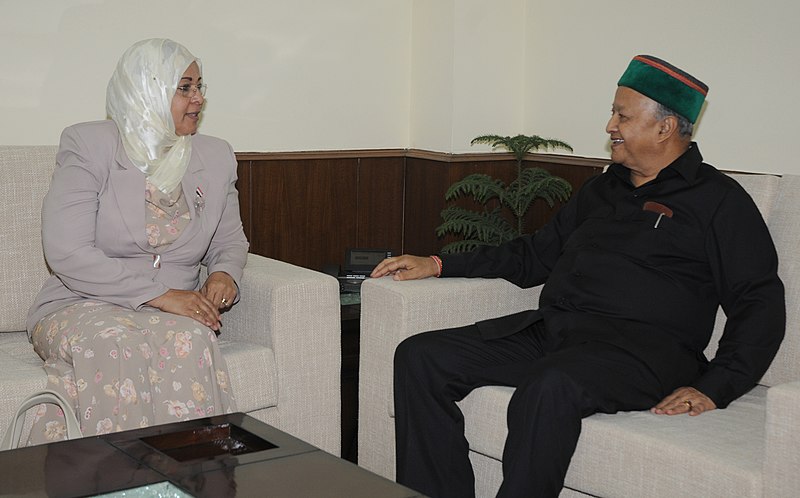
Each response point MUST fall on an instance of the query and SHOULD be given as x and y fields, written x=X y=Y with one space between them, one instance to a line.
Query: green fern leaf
x=520 y=145
x=536 y=183
x=480 y=187
x=486 y=226
x=461 y=246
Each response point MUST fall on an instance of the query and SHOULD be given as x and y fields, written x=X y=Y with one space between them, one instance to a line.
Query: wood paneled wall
x=307 y=208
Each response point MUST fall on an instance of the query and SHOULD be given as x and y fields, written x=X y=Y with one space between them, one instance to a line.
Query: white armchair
x=392 y=311
x=281 y=341
x=751 y=448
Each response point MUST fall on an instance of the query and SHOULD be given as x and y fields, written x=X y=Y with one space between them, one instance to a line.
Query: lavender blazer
x=93 y=224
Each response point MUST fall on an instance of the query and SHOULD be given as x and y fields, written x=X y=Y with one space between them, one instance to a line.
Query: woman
x=137 y=203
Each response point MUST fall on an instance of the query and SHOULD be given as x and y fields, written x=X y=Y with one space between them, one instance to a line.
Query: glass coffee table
x=223 y=456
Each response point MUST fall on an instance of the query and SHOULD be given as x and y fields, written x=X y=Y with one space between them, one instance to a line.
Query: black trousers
x=556 y=386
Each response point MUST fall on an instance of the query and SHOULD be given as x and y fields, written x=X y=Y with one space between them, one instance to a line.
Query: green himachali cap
x=666 y=84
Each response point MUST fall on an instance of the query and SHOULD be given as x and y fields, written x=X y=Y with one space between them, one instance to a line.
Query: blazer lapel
x=128 y=185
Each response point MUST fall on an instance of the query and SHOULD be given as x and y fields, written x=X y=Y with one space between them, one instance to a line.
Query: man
x=635 y=267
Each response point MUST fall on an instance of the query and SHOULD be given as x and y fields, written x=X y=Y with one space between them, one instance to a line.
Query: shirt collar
x=686 y=166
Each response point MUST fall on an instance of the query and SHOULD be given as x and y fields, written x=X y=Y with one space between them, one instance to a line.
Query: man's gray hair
x=685 y=127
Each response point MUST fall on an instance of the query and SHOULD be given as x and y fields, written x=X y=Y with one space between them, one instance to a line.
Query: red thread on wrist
x=438 y=261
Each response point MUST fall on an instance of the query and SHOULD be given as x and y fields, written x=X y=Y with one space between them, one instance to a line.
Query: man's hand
x=684 y=400
x=406 y=267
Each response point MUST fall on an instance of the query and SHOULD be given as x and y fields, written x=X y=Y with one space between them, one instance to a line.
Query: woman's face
x=186 y=110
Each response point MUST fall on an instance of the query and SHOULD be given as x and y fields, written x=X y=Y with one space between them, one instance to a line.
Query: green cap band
x=666 y=84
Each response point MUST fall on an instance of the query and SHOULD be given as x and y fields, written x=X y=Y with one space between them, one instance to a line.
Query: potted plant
x=490 y=226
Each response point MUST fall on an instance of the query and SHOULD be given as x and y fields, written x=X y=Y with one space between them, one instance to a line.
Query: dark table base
x=351 y=321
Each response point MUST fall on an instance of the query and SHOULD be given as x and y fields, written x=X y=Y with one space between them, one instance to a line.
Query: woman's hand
x=406 y=267
x=220 y=289
x=189 y=303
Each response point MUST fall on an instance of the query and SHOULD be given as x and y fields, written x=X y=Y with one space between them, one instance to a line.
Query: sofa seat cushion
x=17 y=346
x=719 y=453
x=254 y=374
x=22 y=374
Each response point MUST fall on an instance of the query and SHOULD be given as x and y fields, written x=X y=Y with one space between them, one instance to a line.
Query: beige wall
x=747 y=51
x=282 y=75
x=467 y=72
x=432 y=74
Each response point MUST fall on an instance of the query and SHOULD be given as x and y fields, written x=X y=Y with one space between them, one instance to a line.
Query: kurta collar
x=685 y=166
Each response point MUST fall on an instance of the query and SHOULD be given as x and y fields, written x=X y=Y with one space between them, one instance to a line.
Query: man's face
x=634 y=131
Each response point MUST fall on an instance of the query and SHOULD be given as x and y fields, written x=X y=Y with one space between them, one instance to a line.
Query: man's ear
x=667 y=128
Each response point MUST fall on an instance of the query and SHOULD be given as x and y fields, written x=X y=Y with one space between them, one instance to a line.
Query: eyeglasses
x=189 y=90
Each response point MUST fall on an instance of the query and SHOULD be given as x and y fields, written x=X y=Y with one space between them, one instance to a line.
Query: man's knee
x=414 y=351
x=431 y=357
x=405 y=350
x=550 y=386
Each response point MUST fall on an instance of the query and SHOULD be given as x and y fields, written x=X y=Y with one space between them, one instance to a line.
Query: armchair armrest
x=392 y=311
x=782 y=446
x=295 y=312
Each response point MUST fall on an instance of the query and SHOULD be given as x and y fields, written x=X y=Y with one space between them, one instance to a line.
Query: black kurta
x=645 y=268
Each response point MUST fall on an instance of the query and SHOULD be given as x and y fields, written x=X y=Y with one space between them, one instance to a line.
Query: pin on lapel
x=199 y=202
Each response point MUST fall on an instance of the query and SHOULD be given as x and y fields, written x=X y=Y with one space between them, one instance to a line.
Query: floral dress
x=125 y=369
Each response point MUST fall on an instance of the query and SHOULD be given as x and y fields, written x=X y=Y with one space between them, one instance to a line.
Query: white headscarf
x=139 y=99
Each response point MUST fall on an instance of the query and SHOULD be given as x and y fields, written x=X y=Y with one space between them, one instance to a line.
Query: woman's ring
x=197 y=312
x=224 y=301
x=688 y=403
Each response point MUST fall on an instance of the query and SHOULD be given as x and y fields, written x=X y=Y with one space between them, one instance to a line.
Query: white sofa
x=281 y=341
x=750 y=449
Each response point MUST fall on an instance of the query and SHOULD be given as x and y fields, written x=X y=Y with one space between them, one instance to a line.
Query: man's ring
x=688 y=403
x=224 y=301
x=197 y=312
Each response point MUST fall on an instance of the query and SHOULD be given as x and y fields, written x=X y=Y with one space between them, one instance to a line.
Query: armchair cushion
x=254 y=375
x=628 y=453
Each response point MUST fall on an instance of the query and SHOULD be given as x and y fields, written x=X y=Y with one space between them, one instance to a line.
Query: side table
x=351 y=321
